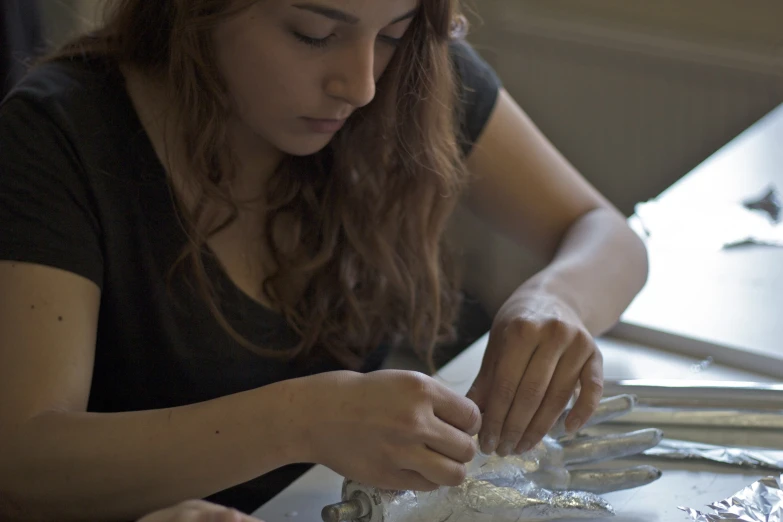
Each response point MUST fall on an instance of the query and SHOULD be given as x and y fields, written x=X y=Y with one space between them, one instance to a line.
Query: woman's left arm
x=541 y=343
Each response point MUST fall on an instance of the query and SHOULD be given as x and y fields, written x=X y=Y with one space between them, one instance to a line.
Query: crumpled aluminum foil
x=746 y=458
x=479 y=500
x=762 y=501
x=541 y=484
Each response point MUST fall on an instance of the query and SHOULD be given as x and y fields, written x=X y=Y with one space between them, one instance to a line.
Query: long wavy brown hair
x=367 y=214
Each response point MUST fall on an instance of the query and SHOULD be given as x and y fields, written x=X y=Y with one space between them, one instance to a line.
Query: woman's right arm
x=59 y=463
x=391 y=429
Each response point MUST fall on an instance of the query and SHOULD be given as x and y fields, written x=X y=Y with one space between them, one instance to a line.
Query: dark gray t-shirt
x=81 y=189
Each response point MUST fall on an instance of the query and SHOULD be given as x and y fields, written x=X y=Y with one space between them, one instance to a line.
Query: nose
x=352 y=78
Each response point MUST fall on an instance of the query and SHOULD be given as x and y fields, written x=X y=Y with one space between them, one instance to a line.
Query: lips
x=325 y=125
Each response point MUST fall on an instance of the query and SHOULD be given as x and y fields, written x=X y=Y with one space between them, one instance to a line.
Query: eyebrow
x=341 y=16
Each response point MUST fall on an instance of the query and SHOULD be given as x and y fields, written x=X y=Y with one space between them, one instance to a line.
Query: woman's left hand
x=538 y=351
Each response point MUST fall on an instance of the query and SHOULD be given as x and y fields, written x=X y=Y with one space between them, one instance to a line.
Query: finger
x=479 y=390
x=406 y=480
x=226 y=515
x=603 y=481
x=559 y=393
x=195 y=511
x=434 y=467
x=519 y=341
x=592 y=379
x=413 y=481
x=202 y=511
x=608 y=409
x=596 y=449
x=530 y=393
x=456 y=410
x=451 y=442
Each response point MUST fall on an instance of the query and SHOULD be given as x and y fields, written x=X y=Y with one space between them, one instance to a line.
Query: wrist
x=309 y=407
x=278 y=418
x=549 y=283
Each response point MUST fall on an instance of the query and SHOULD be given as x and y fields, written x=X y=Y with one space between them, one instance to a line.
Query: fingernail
x=488 y=444
x=573 y=425
x=524 y=447
x=507 y=448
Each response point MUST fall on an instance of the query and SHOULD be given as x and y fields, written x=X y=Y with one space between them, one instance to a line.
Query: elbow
x=639 y=260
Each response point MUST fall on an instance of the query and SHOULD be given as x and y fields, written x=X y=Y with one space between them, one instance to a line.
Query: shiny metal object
x=539 y=484
x=702 y=395
x=706 y=418
x=742 y=457
x=762 y=501
x=359 y=506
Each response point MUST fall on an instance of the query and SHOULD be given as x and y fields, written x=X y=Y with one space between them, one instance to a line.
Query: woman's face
x=297 y=69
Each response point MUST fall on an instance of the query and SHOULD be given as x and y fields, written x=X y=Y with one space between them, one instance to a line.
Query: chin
x=304 y=145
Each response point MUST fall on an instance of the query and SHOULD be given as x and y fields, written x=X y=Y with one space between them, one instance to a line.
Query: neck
x=256 y=160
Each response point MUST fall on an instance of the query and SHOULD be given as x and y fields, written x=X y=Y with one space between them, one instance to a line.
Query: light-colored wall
x=635 y=93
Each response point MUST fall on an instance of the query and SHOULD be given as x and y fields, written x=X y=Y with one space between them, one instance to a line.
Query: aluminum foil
x=700 y=394
x=723 y=418
x=538 y=485
x=747 y=458
x=479 y=500
x=762 y=501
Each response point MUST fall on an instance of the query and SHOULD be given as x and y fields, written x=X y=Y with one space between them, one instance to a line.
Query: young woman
x=216 y=216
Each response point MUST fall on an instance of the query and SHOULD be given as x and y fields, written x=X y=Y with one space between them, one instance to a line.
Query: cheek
x=261 y=80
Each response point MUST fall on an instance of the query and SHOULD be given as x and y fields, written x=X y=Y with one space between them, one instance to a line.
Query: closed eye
x=390 y=40
x=313 y=42
x=320 y=43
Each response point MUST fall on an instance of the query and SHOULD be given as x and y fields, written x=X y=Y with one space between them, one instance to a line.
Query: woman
x=217 y=216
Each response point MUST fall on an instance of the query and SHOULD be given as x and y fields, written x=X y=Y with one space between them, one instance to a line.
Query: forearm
x=81 y=466
x=600 y=266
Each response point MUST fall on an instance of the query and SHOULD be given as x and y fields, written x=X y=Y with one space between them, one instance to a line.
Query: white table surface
x=729 y=303
x=693 y=485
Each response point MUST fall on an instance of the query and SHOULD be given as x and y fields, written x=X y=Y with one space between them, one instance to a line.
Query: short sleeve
x=45 y=212
x=478 y=88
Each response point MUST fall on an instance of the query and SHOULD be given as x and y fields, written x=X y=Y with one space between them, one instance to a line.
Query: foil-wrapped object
x=537 y=485
x=477 y=500
x=743 y=457
x=762 y=501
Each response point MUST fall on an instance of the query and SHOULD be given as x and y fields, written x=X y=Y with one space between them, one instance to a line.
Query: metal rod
x=347 y=511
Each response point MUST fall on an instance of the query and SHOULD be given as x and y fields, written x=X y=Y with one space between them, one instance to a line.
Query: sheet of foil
x=723 y=418
x=746 y=458
x=703 y=395
x=762 y=501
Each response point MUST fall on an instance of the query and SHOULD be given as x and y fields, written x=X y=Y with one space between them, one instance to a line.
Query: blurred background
x=635 y=93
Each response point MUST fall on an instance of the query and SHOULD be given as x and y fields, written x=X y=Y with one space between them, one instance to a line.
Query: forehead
x=368 y=12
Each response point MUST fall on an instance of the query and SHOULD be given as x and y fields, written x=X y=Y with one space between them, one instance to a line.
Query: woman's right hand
x=390 y=429
x=197 y=511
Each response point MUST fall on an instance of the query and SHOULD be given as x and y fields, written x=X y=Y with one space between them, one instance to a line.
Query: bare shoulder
x=49 y=321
